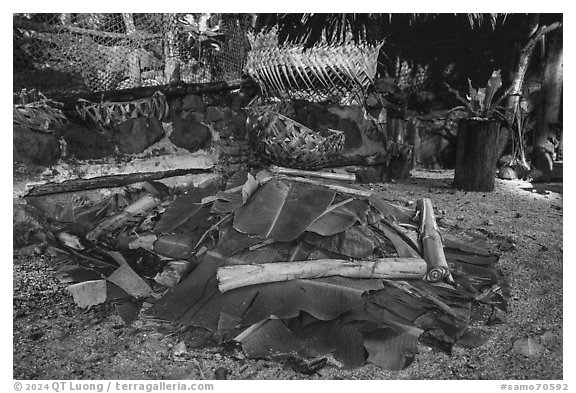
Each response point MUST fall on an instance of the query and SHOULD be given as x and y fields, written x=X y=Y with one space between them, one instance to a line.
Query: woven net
x=97 y=52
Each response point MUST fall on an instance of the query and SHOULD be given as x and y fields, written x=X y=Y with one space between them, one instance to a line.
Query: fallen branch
x=324 y=175
x=109 y=181
x=432 y=247
x=138 y=208
x=237 y=276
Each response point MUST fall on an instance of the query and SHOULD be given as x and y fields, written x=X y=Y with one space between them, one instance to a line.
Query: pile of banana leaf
x=286 y=268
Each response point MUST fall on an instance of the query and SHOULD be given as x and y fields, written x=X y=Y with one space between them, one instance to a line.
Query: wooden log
x=476 y=155
x=432 y=247
x=108 y=181
x=178 y=90
x=323 y=175
x=237 y=276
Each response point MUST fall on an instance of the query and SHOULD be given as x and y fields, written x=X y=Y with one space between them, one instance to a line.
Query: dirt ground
x=53 y=339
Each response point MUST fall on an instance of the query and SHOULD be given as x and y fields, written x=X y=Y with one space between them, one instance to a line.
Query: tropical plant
x=479 y=102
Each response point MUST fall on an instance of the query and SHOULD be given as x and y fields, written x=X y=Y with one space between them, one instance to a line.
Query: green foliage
x=479 y=103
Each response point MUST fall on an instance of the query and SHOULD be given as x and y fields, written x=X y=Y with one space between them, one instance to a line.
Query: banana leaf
x=176 y=246
x=392 y=347
x=273 y=340
x=128 y=310
x=231 y=241
x=127 y=279
x=470 y=245
x=276 y=252
x=181 y=210
x=356 y=242
x=88 y=293
x=249 y=188
x=343 y=340
x=453 y=256
x=227 y=202
x=74 y=274
x=340 y=219
x=391 y=213
x=403 y=248
x=282 y=210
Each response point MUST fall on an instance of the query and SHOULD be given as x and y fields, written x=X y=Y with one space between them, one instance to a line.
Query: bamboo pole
x=432 y=246
x=237 y=276
x=324 y=175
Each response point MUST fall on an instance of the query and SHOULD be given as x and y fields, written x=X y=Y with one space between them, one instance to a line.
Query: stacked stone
x=222 y=113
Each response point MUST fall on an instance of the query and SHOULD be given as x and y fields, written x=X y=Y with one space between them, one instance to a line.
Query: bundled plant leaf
x=33 y=110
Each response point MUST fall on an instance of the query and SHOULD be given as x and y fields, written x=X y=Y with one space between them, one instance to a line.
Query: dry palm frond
x=326 y=71
x=33 y=110
x=107 y=115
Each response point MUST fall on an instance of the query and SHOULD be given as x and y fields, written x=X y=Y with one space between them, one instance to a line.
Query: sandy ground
x=53 y=339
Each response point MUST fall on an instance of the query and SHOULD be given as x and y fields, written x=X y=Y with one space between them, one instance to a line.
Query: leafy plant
x=479 y=102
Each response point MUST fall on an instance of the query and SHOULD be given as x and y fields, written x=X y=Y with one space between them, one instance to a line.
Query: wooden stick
x=324 y=175
x=237 y=276
x=141 y=206
x=432 y=246
x=334 y=187
x=109 y=181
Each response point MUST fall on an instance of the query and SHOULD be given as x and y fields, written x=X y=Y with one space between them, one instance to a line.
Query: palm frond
x=326 y=70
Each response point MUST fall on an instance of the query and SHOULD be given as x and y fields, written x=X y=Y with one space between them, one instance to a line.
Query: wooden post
x=476 y=154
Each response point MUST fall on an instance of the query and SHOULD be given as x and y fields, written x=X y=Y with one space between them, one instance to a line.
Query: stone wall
x=207 y=125
x=223 y=115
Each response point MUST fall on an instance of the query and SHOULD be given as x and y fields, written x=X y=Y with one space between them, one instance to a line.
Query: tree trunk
x=549 y=110
x=476 y=155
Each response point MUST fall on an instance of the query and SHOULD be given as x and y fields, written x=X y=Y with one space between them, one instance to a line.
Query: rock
x=136 y=135
x=34 y=147
x=190 y=134
x=85 y=143
x=371 y=174
x=528 y=347
x=199 y=117
x=538 y=176
x=507 y=173
x=215 y=113
x=225 y=128
x=239 y=119
x=236 y=101
x=193 y=103
x=549 y=339
x=180 y=349
x=221 y=373
x=353 y=138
